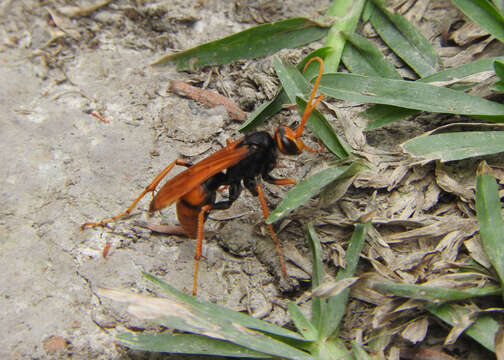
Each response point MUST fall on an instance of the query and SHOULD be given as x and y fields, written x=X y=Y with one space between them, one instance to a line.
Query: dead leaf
x=451 y=185
x=467 y=34
x=77 y=12
x=64 y=24
x=461 y=322
x=416 y=330
x=499 y=344
x=476 y=251
x=333 y=288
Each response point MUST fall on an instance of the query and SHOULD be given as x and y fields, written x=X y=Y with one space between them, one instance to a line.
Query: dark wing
x=187 y=180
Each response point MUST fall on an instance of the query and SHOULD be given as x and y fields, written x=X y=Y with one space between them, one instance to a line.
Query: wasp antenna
x=310 y=105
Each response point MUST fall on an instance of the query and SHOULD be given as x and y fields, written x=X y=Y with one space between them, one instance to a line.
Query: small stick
x=99 y=117
x=106 y=249
x=208 y=97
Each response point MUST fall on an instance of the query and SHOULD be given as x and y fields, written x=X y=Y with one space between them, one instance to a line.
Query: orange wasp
x=241 y=161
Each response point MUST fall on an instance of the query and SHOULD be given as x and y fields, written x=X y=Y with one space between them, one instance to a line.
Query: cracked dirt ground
x=62 y=167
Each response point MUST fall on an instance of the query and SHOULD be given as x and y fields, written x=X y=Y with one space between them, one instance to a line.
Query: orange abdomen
x=188 y=209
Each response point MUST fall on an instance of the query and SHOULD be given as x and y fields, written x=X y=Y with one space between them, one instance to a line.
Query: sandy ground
x=62 y=167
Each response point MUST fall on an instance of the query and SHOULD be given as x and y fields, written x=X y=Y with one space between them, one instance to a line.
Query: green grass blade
x=265 y=111
x=483 y=330
x=485 y=14
x=331 y=349
x=186 y=344
x=463 y=71
x=455 y=146
x=321 y=127
x=197 y=319
x=270 y=108
x=380 y=115
x=347 y=13
x=303 y=325
x=433 y=293
x=499 y=4
x=405 y=40
x=336 y=305
x=359 y=352
x=293 y=82
x=488 y=209
x=318 y=305
x=407 y=94
x=255 y=42
x=305 y=190
x=499 y=70
x=296 y=86
x=224 y=313
x=362 y=57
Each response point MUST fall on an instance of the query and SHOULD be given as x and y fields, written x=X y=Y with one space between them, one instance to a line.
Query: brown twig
x=209 y=98
x=99 y=117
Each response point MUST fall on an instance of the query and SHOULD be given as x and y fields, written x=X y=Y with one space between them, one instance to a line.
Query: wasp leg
x=161 y=229
x=265 y=210
x=199 y=245
x=150 y=188
x=270 y=179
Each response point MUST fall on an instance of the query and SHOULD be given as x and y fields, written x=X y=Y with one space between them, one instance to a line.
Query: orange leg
x=152 y=186
x=311 y=105
x=199 y=245
x=273 y=234
x=282 y=182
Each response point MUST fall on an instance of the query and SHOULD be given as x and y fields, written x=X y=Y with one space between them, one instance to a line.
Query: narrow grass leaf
x=186 y=344
x=318 y=305
x=255 y=42
x=224 y=313
x=331 y=349
x=292 y=80
x=499 y=70
x=433 y=293
x=270 y=108
x=305 y=190
x=347 y=13
x=456 y=145
x=362 y=57
x=499 y=4
x=303 y=325
x=405 y=40
x=336 y=305
x=265 y=111
x=359 y=352
x=313 y=69
x=411 y=95
x=296 y=87
x=380 y=115
x=483 y=330
x=195 y=319
x=488 y=209
x=321 y=127
x=485 y=14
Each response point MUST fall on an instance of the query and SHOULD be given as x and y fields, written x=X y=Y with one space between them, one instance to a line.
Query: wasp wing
x=187 y=180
